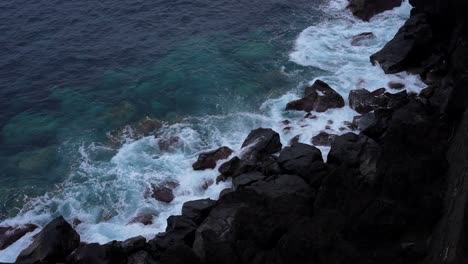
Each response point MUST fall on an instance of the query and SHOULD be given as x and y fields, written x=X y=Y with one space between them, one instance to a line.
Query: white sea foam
x=106 y=195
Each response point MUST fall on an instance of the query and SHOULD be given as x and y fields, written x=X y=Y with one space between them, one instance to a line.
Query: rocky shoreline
x=394 y=193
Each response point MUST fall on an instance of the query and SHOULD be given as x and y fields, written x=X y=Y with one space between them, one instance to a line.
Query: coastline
x=376 y=199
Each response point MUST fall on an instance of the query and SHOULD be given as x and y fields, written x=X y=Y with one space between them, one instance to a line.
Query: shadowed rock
x=366 y=9
x=207 y=160
x=319 y=97
x=10 y=234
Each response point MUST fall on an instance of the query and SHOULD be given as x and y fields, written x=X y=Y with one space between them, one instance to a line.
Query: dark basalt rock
x=364 y=101
x=53 y=244
x=10 y=234
x=246 y=179
x=261 y=142
x=366 y=9
x=208 y=160
x=323 y=139
x=303 y=160
x=197 y=210
x=145 y=219
x=411 y=44
x=163 y=194
x=319 y=97
x=362 y=39
x=141 y=257
x=89 y=254
x=396 y=85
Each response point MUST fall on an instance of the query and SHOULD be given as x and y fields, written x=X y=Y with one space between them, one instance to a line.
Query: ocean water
x=77 y=77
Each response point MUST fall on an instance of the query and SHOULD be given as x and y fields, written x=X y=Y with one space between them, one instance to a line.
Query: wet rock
x=163 y=194
x=319 y=97
x=197 y=210
x=362 y=39
x=132 y=244
x=89 y=254
x=206 y=184
x=366 y=9
x=180 y=254
x=295 y=139
x=52 y=244
x=261 y=142
x=323 y=139
x=396 y=85
x=145 y=219
x=410 y=45
x=10 y=234
x=166 y=144
x=364 y=101
x=208 y=160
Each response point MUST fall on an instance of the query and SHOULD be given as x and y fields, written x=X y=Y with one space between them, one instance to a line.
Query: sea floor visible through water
x=208 y=73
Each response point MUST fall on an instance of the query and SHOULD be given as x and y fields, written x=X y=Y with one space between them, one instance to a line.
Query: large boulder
x=207 y=160
x=410 y=46
x=319 y=97
x=53 y=244
x=366 y=9
x=261 y=142
x=198 y=210
x=364 y=101
x=303 y=160
x=323 y=139
x=10 y=234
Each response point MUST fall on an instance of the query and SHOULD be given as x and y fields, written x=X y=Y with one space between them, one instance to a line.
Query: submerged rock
x=362 y=39
x=10 y=234
x=366 y=9
x=323 y=139
x=207 y=160
x=163 y=194
x=52 y=245
x=319 y=97
x=145 y=219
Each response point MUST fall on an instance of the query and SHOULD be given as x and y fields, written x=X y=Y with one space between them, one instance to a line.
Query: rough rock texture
x=207 y=160
x=366 y=9
x=53 y=244
x=362 y=39
x=319 y=97
x=10 y=234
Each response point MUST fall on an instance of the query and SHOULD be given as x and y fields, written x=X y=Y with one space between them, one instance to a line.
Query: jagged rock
x=323 y=139
x=366 y=9
x=133 y=244
x=197 y=210
x=295 y=139
x=52 y=244
x=261 y=142
x=180 y=254
x=319 y=97
x=396 y=85
x=163 y=194
x=246 y=179
x=145 y=219
x=410 y=45
x=207 y=160
x=364 y=101
x=357 y=151
x=10 y=234
x=303 y=160
x=169 y=143
x=180 y=230
x=89 y=254
x=362 y=38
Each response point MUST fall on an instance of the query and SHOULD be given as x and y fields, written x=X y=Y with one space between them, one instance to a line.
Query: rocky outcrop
x=366 y=9
x=208 y=160
x=364 y=101
x=10 y=234
x=52 y=245
x=319 y=97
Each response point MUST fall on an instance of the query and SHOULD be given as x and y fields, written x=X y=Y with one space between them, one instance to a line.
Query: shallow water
x=210 y=71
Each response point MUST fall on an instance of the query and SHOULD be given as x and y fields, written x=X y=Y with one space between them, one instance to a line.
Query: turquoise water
x=69 y=80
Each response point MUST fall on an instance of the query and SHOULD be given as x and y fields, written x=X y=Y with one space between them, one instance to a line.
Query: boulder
x=207 y=160
x=180 y=230
x=303 y=160
x=410 y=46
x=163 y=194
x=259 y=143
x=197 y=210
x=180 y=254
x=323 y=139
x=141 y=257
x=396 y=85
x=246 y=179
x=362 y=39
x=53 y=244
x=145 y=219
x=364 y=101
x=319 y=97
x=366 y=9
x=168 y=143
x=10 y=234
x=89 y=254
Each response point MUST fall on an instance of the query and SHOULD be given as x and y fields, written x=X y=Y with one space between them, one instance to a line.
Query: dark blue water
x=71 y=71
